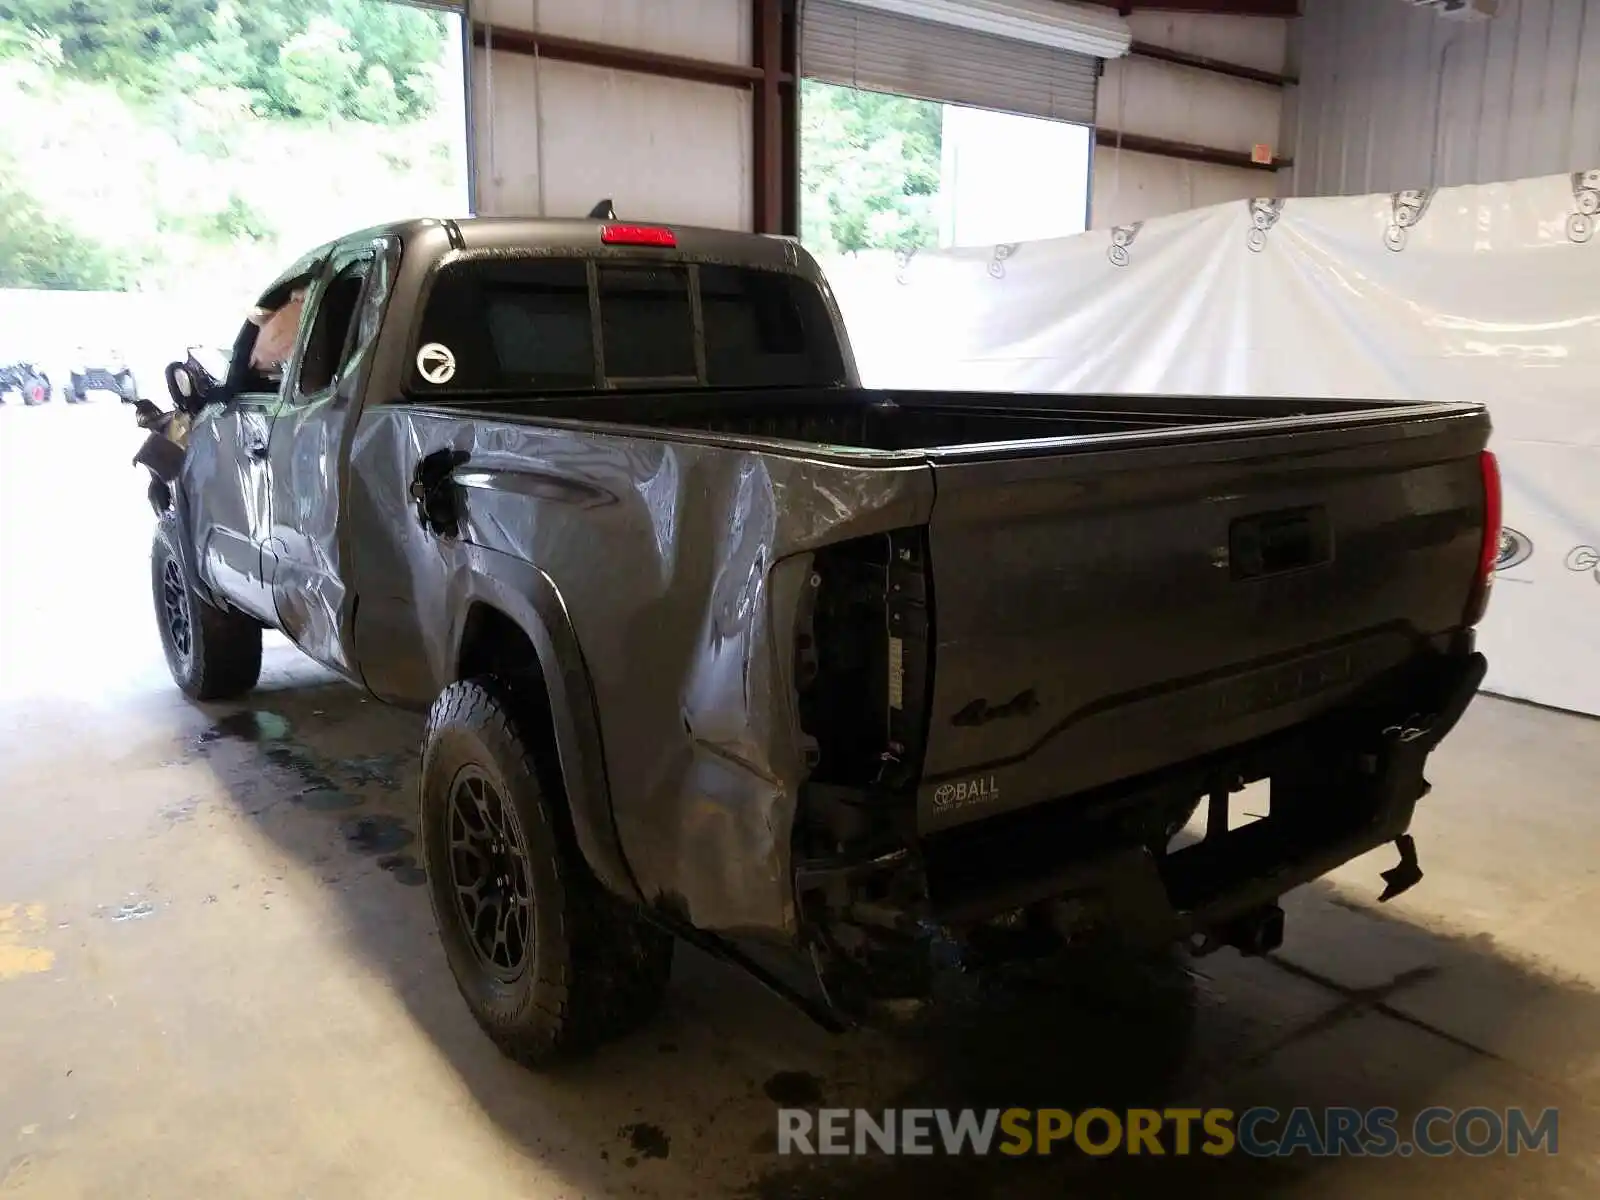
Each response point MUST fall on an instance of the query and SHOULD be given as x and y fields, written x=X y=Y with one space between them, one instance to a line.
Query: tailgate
x=1110 y=606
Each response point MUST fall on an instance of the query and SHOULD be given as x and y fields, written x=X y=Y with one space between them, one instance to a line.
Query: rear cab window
x=564 y=324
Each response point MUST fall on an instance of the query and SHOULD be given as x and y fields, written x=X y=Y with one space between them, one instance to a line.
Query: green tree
x=870 y=169
x=281 y=51
x=316 y=71
x=128 y=41
x=37 y=252
x=226 y=56
x=376 y=99
x=404 y=40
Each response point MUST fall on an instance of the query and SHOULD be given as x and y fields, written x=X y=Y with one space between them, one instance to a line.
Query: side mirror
x=191 y=386
x=183 y=386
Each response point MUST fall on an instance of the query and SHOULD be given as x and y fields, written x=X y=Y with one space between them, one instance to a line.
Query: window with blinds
x=862 y=48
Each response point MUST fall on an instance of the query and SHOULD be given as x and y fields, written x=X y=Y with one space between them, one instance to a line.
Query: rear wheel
x=212 y=654
x=35 y=389
x=549 y=962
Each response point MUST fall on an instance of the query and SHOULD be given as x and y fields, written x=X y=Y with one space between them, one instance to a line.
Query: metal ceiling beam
x=617 y=58
x=1138 y=143
x=1215 y=66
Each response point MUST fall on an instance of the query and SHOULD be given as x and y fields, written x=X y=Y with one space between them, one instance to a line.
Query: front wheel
x=549 y=962
x=35 y=389
x=212 y=654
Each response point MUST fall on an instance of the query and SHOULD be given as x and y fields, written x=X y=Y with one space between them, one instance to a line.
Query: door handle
x=258 y=451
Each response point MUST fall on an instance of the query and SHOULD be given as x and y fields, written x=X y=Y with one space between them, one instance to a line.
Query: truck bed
x=1119 y=584
x=868 y=419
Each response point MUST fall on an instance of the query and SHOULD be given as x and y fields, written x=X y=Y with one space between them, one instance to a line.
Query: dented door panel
x=224 y=476
x=312 y=597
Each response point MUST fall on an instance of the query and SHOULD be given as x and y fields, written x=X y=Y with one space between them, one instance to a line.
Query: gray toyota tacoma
x=716 y=644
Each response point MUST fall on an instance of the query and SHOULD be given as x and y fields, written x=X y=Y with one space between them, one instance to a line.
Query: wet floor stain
x=273 y=735
x=376 y=770
x=794 y=1089
x=326 y=800
x=404 y=868
x=646 y=1141
x=251 y=725
x=324 y=786
x=376 y=834
x=297 y=761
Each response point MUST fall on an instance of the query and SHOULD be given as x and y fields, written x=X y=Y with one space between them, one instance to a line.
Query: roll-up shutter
x=881 y=52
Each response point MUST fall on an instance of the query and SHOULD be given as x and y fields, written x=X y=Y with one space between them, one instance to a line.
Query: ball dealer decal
x=982 y=789
x=1515 y=549
x=436 y=363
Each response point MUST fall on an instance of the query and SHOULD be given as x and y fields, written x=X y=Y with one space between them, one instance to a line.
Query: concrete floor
x=219 y=978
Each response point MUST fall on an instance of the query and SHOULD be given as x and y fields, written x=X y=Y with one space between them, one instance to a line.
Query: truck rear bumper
x=1208 y=883
x=1341 y=786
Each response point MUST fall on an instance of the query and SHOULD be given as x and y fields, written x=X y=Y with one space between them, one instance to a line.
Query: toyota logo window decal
x=436 y=363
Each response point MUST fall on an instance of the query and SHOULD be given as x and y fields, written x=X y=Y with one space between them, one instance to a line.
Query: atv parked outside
x=27 y=380
x=112 y=375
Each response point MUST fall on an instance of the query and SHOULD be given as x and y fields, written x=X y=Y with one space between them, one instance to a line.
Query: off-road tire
x=222 y=659
x=593 y=967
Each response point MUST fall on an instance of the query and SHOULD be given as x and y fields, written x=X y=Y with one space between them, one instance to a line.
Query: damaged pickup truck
x=716 y=644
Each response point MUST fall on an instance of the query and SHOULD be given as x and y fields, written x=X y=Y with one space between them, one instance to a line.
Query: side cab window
x=334 y=338
x=266 y=341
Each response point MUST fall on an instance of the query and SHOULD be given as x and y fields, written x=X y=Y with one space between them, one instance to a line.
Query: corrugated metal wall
x=552 y=138
x=1180 y=104
x=1392 y=96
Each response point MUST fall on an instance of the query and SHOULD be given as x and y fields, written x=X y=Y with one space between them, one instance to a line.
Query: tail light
x=1489 y=551
x=637 y=235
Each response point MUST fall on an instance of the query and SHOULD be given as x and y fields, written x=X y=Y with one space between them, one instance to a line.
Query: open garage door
x=873 y=48
x=948 y=122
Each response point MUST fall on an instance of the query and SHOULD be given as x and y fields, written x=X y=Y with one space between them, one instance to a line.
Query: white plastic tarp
x=1488 y=293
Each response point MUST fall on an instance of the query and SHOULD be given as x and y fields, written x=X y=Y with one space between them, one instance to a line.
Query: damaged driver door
x=309 y=448
x=226 y=486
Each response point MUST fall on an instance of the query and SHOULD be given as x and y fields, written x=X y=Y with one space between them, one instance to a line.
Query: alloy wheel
x=489 y=874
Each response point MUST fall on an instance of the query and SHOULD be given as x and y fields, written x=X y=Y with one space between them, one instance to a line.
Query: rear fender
x=525 y=594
